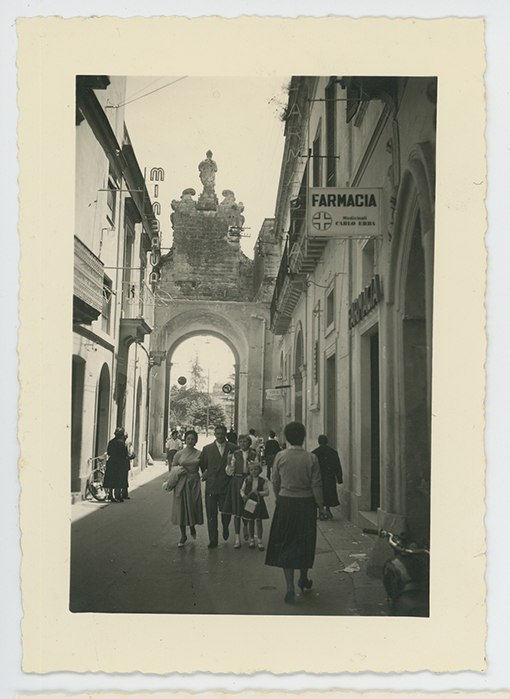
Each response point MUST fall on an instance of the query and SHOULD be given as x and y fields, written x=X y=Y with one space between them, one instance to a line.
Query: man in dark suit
x=213 y=461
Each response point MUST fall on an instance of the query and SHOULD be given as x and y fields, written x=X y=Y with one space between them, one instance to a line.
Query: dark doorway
x=77 y=383
x=416 y=393
x=138 y=417
x=102 y=411
x=375 y=452
x=331 y=399
x=298 y=380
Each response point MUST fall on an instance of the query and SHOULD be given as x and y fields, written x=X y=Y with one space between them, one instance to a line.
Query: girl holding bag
x=253 y=492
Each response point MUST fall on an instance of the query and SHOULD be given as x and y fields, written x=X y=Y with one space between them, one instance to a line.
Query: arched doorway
x=78 y=383
x=416 y=388
x=241 y=332
x=410 y=296
x=298 y=378
x=102 y=426
x=202 y=383
x=138 y=417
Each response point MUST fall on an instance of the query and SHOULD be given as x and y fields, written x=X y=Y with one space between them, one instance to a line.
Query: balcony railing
x=288 y=289
x=88 y=284
x=138 y=302
x=300 y=257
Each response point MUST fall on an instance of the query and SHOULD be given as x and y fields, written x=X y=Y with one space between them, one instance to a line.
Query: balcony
x=137 y=311
x=295 y=266
x=88 y=284
x=288 y=289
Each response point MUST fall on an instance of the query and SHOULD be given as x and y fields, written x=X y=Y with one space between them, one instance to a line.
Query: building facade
x=352 y=305
x=113 y=304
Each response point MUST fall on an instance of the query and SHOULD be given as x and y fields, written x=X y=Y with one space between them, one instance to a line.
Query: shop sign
x=366 y=301
x=273 y=394
x=157 y=174
x=344 y=213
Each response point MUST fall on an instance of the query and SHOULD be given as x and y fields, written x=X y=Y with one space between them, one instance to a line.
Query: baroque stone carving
x=208 y=169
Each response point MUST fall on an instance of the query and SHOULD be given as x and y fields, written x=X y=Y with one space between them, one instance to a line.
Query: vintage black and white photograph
x=252 y=345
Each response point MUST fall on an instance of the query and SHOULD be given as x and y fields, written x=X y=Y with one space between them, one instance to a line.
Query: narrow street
x=125 y=559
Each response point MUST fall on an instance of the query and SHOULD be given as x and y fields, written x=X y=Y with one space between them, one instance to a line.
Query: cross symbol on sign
x=322 y=221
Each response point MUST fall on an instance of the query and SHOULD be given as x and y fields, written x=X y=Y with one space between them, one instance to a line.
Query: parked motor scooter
x=406 y=576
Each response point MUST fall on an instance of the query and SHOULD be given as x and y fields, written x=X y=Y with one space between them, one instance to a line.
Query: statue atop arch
x=208 y=170
x=208 y=201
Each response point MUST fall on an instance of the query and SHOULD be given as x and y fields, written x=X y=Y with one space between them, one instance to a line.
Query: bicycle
x=405 y=576
x=95 y=480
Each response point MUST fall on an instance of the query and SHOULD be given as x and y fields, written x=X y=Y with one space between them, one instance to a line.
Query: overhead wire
x=117 y=106
x=142 y=88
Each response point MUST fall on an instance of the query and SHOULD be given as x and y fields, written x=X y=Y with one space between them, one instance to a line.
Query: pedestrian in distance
x=237 y=470
x=213 y=462
x=271 y=449
x=331 y=474
x=232 y=436
x=187 y=508
x=254 y=440
x=254 y=490
x=117 y=466
x=131 y=456
x=173 y=445
x=298 y=489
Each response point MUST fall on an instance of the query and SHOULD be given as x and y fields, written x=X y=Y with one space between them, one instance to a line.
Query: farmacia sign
x=344 y=213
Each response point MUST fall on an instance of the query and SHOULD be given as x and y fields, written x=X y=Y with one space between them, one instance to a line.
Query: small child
x=255 y=488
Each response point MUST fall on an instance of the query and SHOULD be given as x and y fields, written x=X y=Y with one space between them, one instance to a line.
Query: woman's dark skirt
x=293 y=534
x=116 y=475
x=329 y=488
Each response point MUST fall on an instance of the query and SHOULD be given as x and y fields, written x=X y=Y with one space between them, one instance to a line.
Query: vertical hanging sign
x=157 y=175
x=344 y=213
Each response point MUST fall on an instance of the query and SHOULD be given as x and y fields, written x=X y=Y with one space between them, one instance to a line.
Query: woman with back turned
x=117 y=467
x=298 y=489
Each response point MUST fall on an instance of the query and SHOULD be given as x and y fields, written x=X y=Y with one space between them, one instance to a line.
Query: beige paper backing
x=52 y=51
x=270 y=695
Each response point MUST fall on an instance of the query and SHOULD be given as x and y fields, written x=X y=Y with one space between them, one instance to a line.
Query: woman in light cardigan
x=298 y=489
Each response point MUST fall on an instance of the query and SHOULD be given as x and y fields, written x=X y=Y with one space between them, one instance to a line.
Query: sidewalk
x=352 y=549
x=84 y=507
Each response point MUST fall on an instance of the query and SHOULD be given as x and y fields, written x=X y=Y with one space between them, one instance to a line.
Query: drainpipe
x=262 y=373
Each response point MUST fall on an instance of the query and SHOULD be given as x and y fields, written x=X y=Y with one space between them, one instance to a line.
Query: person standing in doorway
x=213 y=461
x=172 y=446
x=331 y=474
x=271 y=449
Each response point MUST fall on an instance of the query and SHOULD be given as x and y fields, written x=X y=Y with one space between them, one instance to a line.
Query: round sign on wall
x=181 y=380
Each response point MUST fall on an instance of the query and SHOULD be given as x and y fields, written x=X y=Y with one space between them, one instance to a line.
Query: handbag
x=250 y=505
x=172 y=479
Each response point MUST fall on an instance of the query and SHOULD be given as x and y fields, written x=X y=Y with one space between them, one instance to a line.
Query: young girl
x=256 y=489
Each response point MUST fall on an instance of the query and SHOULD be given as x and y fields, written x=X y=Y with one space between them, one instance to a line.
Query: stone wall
x=206 y=261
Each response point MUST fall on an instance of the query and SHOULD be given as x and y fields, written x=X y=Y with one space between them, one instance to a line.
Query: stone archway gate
x=244 y=328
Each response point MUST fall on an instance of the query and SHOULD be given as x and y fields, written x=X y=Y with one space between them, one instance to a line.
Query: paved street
x=124 y=558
